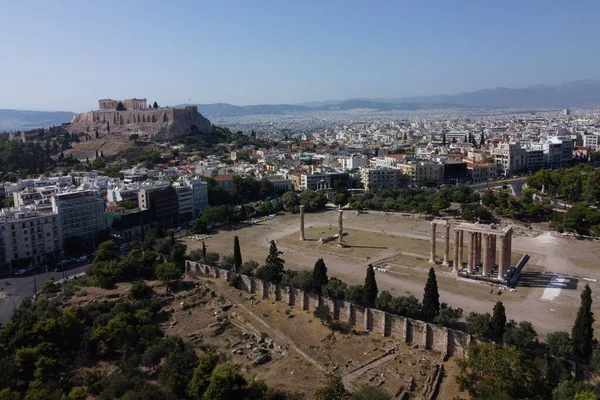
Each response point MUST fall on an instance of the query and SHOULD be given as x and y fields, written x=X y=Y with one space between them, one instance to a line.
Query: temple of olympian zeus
x=481 y=237
x=482 y=252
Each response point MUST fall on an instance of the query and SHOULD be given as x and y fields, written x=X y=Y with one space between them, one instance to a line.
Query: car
x=20 y=272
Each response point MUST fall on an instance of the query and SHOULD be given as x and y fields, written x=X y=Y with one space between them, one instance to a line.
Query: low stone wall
x=432 y=337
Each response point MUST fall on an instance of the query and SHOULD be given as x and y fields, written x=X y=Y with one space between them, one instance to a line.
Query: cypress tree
x=431 y=297
x=498 y=321
x=243 y=216
x=583 y=332
x=370 y=287
x=203 y=250
x=274 y=264
x=237 y=254
x=319 y=275
x=444 y=139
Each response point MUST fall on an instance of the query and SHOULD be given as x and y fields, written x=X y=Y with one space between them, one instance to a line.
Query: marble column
x=302 y=223
x=493 y=253
x=486 y=254
x=461 y=250
x=502 y=258
x=508 y=248
x=456 y=250
x=432 y=252
x=471 y=259
x=341 y=227
x=447 y=245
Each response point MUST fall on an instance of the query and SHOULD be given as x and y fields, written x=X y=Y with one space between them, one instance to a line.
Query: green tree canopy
x=431 y=297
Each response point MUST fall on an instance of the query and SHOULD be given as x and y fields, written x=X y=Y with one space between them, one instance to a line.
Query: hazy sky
x=64 y=55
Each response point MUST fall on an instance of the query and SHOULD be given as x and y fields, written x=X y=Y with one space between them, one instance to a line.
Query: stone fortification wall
x=155 y=123
x=443 y=340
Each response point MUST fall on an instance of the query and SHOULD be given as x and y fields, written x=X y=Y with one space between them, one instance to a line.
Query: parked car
x=20 y=272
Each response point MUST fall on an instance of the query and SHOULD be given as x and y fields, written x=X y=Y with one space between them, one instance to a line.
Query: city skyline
x=271 y=53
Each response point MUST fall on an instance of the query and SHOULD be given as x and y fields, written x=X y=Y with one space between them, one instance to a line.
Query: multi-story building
x=225 y=182
x=29 y=237
x=376 y=179
x=558 y=151
x=199 y=196
x=280 y=184
x=353 y=162
x=80 y=213
x=422 y=173
x=481 y=171
x=510 y=157
x=319 y=181
x=185 y=199
x=536 y=158
x=591 y=141
x=163 y=202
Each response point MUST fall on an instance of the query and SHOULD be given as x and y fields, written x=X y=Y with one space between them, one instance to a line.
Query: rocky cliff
x=153 y=123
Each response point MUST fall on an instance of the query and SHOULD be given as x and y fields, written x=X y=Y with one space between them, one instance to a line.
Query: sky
x=67 y=54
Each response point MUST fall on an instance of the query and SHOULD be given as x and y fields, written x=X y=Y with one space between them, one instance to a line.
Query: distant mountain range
x=584 y=93
x=12 y=120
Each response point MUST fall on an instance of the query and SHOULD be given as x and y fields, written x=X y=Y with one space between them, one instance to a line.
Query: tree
x=237 y=254
x=431 y=298
x=479 y=324
x=332 y=389
x=107 y=251
x=273 y=269
x=121 y=107
x=520 y=336
x=202 y=373
x=242 y=215
x=494 y=372
x=139 y=290
x=155 y=105
x=355 y=294
x=444 y=139
x=323 y=313
x=334 y=289
x=498 y=321
x=560 y=344
x=340 y=199
x=167 y=272
x=203 y=249
x=370 y=287
x=134 y=137
x=225 y=380
x=290 y=201
x=583 y=331
x=319 y=275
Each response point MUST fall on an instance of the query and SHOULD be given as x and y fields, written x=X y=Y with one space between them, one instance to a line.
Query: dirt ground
x=309 y=348
x=401 y=241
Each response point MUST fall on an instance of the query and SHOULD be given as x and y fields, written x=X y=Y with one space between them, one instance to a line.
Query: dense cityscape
x=305 y=200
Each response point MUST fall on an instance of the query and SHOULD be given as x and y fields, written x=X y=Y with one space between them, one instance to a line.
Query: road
x=15 y=288
x=516 y=183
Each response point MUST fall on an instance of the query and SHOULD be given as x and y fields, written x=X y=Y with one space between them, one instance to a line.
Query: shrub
x=139 y=290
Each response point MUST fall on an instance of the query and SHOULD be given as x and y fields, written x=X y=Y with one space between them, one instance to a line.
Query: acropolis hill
x=161 y=123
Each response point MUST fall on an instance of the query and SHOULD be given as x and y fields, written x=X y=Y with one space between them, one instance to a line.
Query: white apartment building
x=62 y=181
x=510 y=157
x=591 y=141
x=384 y=162
x=353 y=162
x=29 y=236
x=376 y=179
x=80 y=213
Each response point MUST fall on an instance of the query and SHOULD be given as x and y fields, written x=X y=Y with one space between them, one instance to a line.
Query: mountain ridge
x=580 y=93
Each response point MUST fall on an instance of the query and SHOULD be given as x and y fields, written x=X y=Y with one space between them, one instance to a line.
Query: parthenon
x=482 y=247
